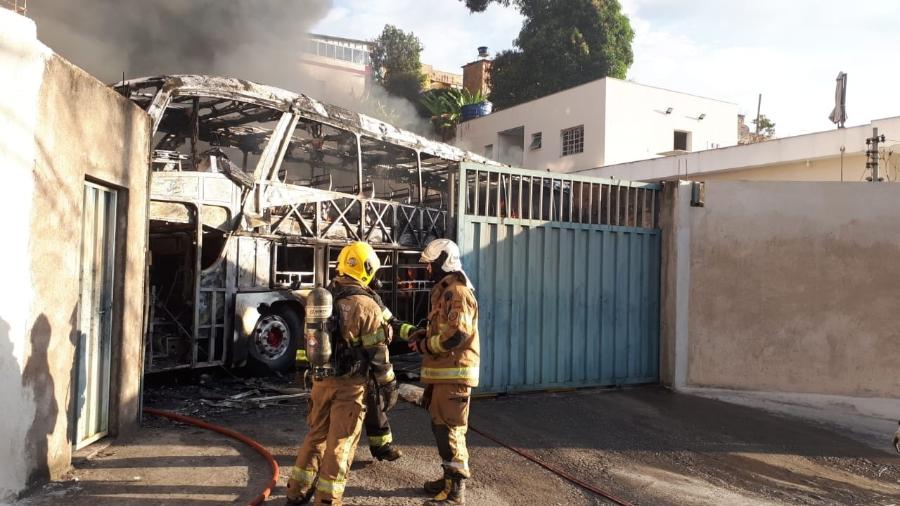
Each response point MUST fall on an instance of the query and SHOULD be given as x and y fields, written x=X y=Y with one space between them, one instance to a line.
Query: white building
x=335 y=67
x=832 y=155
x=602 y=122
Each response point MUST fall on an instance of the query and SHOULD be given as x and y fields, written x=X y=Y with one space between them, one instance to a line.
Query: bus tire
x=276 y=338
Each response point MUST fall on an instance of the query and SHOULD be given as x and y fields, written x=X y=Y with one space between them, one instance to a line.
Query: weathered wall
x=21 y=65
x=674 y=221
x=793 y=287
x=58 y=128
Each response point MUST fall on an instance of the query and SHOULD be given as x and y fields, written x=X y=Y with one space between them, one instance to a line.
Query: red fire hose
x=555 y=470
x=233 y=435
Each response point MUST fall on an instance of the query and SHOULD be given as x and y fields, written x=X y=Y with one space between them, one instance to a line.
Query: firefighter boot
x=453 y=493
x=434 y=486
x=303 y=499
x=386 y=452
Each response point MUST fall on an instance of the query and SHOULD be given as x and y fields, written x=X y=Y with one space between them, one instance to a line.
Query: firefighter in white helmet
x=339 y=382
x=449 y=348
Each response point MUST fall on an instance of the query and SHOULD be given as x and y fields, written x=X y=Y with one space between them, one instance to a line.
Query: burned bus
x=253 y=192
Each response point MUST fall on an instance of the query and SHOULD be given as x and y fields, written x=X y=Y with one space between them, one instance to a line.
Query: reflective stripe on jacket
x=451 y=347
x=362 y=325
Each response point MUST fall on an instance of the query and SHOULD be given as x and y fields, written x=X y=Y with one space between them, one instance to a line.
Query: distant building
x=439 y=79
x=476 y=76
x=602 y=122
x=336 y=66
x=832 y=155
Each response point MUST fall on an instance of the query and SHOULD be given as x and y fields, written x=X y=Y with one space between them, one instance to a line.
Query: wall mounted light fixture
x=669 y=110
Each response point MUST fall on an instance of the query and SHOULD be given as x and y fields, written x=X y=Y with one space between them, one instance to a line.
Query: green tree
x=445 y=107
x=765 y=126
x=563 y=43
x=395 y=62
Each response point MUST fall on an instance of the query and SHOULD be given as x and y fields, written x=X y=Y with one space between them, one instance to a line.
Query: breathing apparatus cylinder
x=319 y=305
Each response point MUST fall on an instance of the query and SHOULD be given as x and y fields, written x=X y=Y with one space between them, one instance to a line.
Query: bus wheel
x=276 y=338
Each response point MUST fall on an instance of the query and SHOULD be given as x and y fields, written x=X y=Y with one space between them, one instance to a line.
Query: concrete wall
x=623 y=121
x=637 y=126
x=832 y=155
x=851 y=169
x=788 y=287
x=58 y=128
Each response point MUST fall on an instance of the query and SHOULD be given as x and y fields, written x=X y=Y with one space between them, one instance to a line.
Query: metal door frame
x=93 y=379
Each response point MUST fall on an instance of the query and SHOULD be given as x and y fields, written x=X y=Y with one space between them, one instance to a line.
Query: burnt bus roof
x=144 y=91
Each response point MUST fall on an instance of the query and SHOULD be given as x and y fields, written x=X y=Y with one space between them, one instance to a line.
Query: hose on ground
x=553 y=469
x=259 y=499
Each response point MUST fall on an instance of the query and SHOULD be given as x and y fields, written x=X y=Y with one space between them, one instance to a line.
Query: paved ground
x=647 y=445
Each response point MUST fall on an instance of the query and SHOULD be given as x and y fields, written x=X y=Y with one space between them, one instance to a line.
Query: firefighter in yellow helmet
x=337 y=400
x=450 y=349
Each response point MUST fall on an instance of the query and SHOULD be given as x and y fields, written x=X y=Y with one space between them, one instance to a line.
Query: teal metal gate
x=566 y=271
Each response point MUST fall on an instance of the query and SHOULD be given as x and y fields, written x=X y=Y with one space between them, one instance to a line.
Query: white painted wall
x=581 y=105
x=22 y=60
x=810 y=157
x=638 y=128
x=623 y=121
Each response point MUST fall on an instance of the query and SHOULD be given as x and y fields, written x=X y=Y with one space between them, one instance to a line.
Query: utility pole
x=758 y=106
x=872 y=155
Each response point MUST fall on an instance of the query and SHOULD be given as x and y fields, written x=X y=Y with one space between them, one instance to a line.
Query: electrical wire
x=259 y=499
x=553 y=469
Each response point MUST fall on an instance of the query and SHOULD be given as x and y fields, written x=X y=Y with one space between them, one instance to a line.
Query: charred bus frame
x=253 y=191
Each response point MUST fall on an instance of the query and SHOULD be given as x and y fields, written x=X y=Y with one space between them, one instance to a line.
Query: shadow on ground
x=647 y=445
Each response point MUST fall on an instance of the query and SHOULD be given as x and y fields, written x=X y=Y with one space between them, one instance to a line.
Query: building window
x=572 y=140
x=489 y=151
x=535 y=141
x=682 y=141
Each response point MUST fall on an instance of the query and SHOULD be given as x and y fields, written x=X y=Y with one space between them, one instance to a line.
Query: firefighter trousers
x=378 y=428
x=448 y=404
x=335 y=421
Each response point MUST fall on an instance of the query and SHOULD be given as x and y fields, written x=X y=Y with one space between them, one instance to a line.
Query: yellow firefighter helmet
x=359 y=261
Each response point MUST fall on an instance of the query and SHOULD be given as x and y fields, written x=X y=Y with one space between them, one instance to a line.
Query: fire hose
x=259 y=499
x=553 y=469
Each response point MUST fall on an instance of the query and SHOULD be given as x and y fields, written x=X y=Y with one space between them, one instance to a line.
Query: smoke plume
x=258 y=40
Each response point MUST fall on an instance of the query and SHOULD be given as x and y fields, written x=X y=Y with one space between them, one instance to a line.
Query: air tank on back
x=319 y=305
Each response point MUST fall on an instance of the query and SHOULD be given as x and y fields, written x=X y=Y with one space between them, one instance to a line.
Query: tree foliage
x=396 y=64
x=562 y=43
x=766 y=126
x=481 y=5
x=445 y=106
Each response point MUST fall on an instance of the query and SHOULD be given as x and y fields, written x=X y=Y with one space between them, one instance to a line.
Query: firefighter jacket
x=450 y=347
x=359 y=313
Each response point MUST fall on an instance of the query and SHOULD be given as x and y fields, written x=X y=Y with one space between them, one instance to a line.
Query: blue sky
x=788 y=50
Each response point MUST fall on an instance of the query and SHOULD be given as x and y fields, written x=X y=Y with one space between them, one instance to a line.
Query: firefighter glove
x=417 y=341
x=402 y=329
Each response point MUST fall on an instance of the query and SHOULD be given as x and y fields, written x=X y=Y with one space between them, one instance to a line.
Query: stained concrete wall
x=783 y=287
x=60 y=127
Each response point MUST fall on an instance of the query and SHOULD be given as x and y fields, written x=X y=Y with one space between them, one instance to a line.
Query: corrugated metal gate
x=566 y=270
